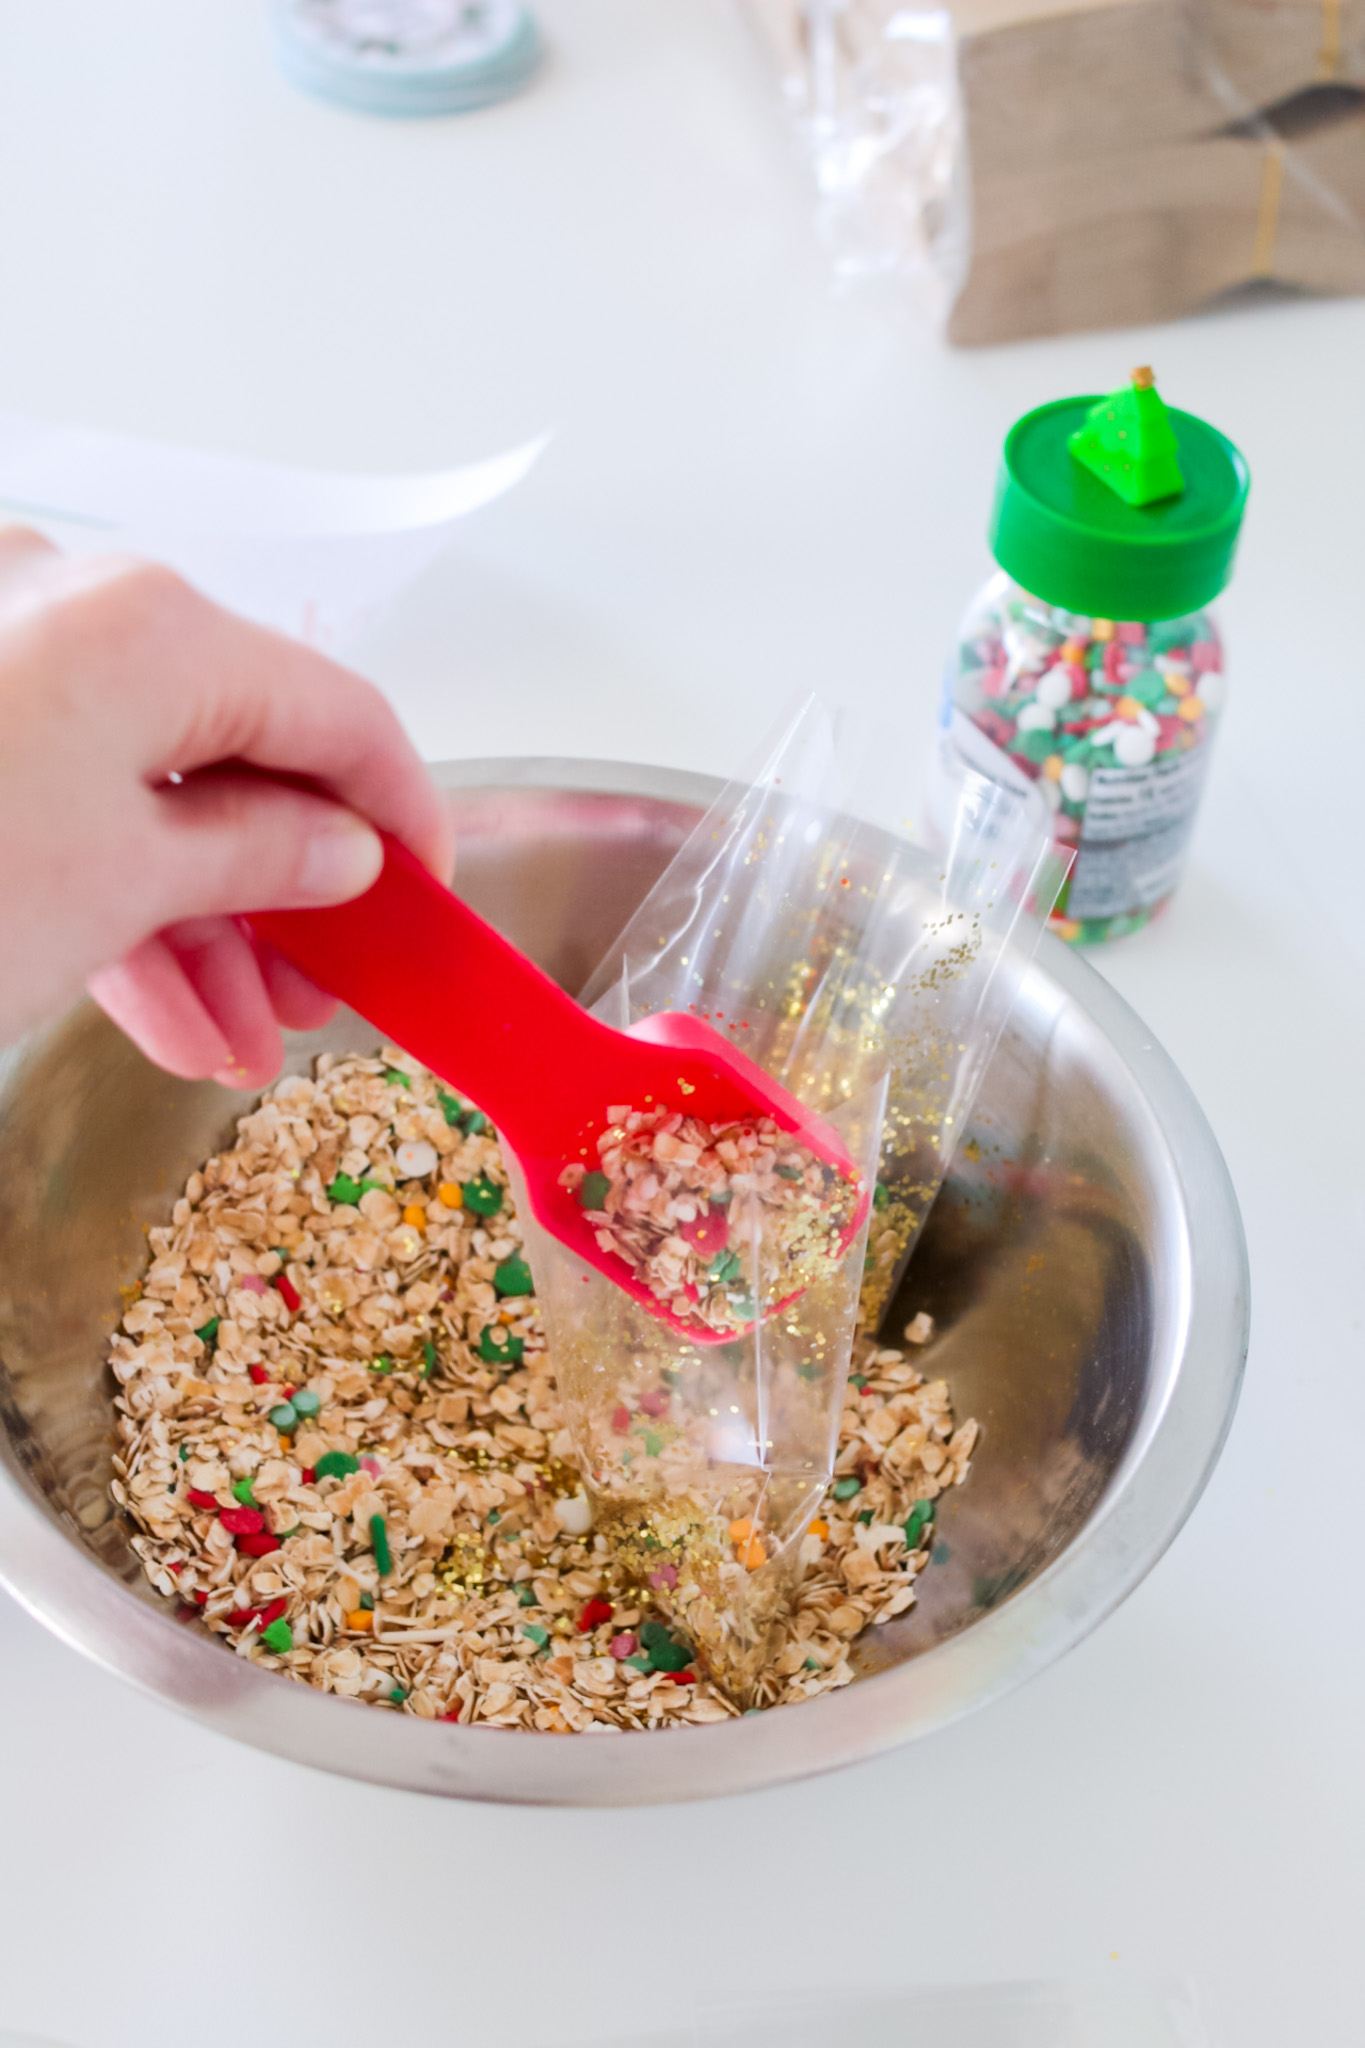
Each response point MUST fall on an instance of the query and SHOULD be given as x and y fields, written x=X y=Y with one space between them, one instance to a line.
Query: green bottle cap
x=1118 y=508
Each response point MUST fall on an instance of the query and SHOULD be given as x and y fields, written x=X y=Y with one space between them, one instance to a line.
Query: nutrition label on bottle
x=1136 y=827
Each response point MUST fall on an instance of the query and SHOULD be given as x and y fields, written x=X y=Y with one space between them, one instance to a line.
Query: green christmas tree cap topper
x=1128 y=442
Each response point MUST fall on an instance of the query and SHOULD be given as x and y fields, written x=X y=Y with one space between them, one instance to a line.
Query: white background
x=755 y=488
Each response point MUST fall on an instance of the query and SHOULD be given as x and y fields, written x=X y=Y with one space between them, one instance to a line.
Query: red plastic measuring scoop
x=437 y=980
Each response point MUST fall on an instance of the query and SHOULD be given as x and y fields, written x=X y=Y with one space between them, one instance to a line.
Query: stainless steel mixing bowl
x=1085 y=1264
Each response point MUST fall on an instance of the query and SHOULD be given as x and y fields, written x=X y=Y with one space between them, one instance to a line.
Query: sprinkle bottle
x=1090 y=664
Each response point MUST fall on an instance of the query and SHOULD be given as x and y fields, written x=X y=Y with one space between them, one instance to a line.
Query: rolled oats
x=430 y=1431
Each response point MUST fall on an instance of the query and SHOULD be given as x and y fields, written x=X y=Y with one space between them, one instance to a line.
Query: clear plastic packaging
x=840 y=959
x=1112 y=721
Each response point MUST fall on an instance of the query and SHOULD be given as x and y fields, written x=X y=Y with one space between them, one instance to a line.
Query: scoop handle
x=448 y=988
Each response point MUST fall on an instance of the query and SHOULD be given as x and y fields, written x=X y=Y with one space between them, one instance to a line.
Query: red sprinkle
x=259 y=1374
x=308 y=1474
x=272 y=1612
x=258 y=1546
x=177 y=1568
x=241 y=1616
x=594 y=1614
x=201 y=1599
x=656 y=1401
x=197 y=1498
x=453 y=1715
x=683 y=1677
x=289 y=1293
x=620 y=1419
x=242 y=1521
x=289 y=1393
x=709 y=1232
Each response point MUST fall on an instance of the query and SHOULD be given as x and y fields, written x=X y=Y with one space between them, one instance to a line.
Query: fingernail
x=340 y=862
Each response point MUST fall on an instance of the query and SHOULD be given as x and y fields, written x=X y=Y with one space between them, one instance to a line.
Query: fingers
x=209 y=687
x=298 y=1003
x=217 y=959
x=222 y=844
x=195 y=1000
x=149 y=997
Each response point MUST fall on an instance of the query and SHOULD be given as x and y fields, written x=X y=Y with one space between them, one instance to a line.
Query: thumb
x=228 y=842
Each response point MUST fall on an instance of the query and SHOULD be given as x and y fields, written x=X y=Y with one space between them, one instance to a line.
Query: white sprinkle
x=416 y=1159
x=574 y=1514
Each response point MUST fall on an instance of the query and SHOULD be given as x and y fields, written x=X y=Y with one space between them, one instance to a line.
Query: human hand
x=139 y=728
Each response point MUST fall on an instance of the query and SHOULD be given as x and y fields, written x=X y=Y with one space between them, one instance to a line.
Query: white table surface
x=755 y=488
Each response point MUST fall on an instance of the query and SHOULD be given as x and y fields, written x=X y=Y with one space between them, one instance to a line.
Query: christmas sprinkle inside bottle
x=1090 y=665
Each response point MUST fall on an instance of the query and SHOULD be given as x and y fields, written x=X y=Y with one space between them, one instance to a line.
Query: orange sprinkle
x=818 y=1528
x=507 y=1315
x=1052 y=768
x=751 y=1555
x=1128 y=707
x=415 y=1215
x=1191 y=710
x=362 y=1619
x=742 y=1530
x=1072 y=652
x=450 y=1195
x=1101 y=629
x=1179 y=686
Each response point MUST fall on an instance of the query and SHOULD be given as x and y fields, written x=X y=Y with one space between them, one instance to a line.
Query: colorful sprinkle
x=379 y=1537
x=336 y=1465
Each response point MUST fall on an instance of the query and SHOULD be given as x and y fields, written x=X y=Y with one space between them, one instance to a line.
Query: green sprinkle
x=306 y=1402
x=858 y=1380
x=428 y=1359
x=242 y=1492
x=920 y=1518
x=844 y=1489
x=654 y=1443
x=184 y=1454
x=640 y=1664
x=866 y=1518
x=500 y=1347
x=398 y=1695
x=379 y=1537
x=396 y=1078
x=344 y=1189
x=724 y=1267
x=881 y=1195
x=788 y=1172
x=494 y=1516
x=664 y=1654
x=534 y=1633
x=669 y=1656
x=526 y=1594
x=592 y=1191
x=811 y=1664
x=474 y=1122
x=452 y=1109
x=285 y=1417
x=367 y=1601
x=483 y=1196
x=513 y=1276
x=278 y=1638
x=335 y=1465
x=808 y=1370
x=207 y=1332
x=381 y=1364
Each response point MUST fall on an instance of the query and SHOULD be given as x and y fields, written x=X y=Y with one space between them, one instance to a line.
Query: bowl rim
x=1152 y=1493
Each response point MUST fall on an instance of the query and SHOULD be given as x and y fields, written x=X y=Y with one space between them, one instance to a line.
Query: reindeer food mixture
x=692 y=1208
x=339 y=1439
